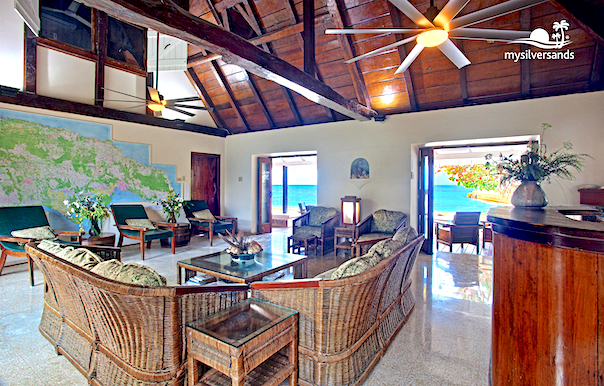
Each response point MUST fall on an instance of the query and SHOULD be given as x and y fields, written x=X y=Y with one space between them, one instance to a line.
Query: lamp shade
x=351 y=210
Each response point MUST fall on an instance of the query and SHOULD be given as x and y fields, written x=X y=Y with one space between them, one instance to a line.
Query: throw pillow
x=140 y=223
x=130 y=273
x=36 y=233
x=81 y=257
x=204 y=215
x=385 y=221
x=319 y=214
x=385 y=247
x=356 y=265
x=405 y=235
x=50 y=246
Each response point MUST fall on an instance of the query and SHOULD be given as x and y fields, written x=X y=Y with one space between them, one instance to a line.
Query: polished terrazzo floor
x=446 y=340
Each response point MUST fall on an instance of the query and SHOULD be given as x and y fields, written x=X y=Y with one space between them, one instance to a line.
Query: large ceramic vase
x=529 y=195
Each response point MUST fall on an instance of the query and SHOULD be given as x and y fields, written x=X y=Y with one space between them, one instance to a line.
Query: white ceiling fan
x=435 y=28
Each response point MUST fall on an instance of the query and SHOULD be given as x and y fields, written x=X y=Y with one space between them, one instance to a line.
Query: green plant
x=88 y=207
x=171 y=204
x=537 y=165
x=477 y=176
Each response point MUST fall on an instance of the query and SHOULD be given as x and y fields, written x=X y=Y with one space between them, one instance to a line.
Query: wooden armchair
x=380 y=225
x=321 y=222
x=212 y=223
x=122 y=213
x=24 y=217
x=465 y=228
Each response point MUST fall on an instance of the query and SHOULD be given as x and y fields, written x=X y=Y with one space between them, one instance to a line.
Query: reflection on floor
x=446 y=340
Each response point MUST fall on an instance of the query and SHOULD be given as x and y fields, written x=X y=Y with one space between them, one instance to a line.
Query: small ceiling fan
x=437 y=27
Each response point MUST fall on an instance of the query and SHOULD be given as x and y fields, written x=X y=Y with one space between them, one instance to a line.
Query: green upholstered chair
x=144 y=234
x=219 y=224
x=23 y=217
x=381 y=224
x=465 y=228
x=321 y=222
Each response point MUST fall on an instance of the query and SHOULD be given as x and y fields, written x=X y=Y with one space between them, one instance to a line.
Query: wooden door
x=205 y=180
x=265 y=195
x=425 y=197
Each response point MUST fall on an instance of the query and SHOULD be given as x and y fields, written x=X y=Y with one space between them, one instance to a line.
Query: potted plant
x=171 y=205
x=89 y=207
x=535 y=166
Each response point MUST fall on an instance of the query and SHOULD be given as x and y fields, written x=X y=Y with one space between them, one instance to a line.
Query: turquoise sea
x=453 y=198
x=295 y=194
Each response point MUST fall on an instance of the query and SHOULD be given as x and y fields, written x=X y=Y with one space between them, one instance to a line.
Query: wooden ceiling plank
x=225 y=86
x=292 y=105
x=310 y=67
x=525 y=69
x=334 y=8
x=584 y=14
x=396 y=22
x=260 y=101
x=597 y=66
x=205 y=97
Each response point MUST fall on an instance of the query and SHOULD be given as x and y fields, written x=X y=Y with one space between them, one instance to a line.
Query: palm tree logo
x=559 y=36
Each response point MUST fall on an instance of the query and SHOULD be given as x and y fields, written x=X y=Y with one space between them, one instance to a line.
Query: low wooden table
x=222 y=266
x=347 y=234
x=306 y=241
x=243 y=343
x=104 y=239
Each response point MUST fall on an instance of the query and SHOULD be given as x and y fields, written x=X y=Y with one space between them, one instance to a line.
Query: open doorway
x=294 y=185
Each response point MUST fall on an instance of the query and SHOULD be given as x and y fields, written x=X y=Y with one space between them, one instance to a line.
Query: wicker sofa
x=122 y=334
x=347 y=323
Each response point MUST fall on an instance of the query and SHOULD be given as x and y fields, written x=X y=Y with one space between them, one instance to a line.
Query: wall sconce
x=351 y=210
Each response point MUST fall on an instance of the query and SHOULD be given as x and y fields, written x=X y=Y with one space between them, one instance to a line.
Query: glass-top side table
x=244 y=343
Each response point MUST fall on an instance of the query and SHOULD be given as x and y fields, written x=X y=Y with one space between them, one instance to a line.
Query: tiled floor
x=446 y=340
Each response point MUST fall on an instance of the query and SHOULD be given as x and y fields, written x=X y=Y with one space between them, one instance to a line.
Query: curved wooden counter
x=548 y=280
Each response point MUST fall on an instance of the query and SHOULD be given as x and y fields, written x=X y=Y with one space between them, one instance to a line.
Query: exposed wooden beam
x=100 y=31
x=525 y=69
x=463 y=80
x=395 y=17
x=31 y=49
x=596 y=81
x=205 y=97
x=310 y=67
x=292 y=105
x=586 y=14
x=165 y=16
x=260 y=100
x=225 y=86
x=47 y=103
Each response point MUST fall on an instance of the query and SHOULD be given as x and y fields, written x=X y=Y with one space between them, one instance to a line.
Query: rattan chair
x=23 y=217
x=220 y=224
x=465 y=228
x=321 y=222
x=381 y=224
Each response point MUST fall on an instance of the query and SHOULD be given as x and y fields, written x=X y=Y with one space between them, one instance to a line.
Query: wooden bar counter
x=548 y=297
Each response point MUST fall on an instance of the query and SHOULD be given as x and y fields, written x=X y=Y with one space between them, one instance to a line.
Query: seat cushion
x=130 y=273
x=385 y=247
x=79 y=256
x=140 y=223
x=320 y=214
x=357 y=265
x=37 y=233
x=204 y=215
x=308 y=230
x=374 y=236
x=385 y=221
x=405 y=235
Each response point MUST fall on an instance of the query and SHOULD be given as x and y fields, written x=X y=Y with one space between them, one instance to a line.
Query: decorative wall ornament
x=359 y=169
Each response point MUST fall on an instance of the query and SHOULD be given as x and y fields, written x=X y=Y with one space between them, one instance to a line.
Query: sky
x=296 y=175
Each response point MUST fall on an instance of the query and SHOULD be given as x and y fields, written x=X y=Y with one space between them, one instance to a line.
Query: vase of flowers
x=89 y=207
x=171 y=205
x=533 y=167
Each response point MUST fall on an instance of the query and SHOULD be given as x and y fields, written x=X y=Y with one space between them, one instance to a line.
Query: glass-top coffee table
x=222 y=266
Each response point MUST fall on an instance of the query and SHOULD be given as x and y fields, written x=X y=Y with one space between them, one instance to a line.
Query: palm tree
x=561 y=26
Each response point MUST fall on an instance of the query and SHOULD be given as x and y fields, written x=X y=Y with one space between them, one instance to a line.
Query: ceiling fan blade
x=154 y=94
x=186 y=99
x=190 y=107
x=412 y=13
x=382 y=49
x=350 y=31
x=119 y=92
x=411 y=56
x=492 y=12
x=449 y=11
x=116 y=100
x=181 y=111
x=453 y=53
x=488 y=34
x=132 y=107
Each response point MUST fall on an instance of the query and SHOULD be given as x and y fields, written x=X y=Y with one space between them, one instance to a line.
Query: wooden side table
x=244 y=343
x=347 y=234
x=104 y=239
x=308 y=242
x=182 y=232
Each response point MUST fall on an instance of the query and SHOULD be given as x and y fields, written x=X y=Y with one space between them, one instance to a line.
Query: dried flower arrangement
x=241 y=243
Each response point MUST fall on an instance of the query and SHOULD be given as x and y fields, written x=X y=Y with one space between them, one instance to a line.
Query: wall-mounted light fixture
x=351 y=210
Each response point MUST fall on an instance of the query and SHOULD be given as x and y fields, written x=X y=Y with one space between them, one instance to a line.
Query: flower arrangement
x=537 y=165
x=171 y=205
x=241 y=243
x=89 y=207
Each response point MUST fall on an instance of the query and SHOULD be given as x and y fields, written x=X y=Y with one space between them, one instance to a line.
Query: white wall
x=11 y=46
x=387 y=146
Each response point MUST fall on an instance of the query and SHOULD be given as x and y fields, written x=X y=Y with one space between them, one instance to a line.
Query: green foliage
x=88 y=207
x=171 y=205
x=537 y=165
x=478 y=177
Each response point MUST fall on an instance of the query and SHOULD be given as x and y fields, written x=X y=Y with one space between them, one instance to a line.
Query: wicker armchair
x=23 y=217
x=380 y=225
x=321 y=222
x=346 y=324
x=122 y=334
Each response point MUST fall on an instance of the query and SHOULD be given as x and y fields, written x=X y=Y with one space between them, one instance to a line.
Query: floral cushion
x=319 y=214
x=405 y=235
x=130 y=273
x=308 y=230
x=374 y=236
x=204 y=215
x=36 y=233
x=385 y=247
x=385 y=221
x=80 y=256
x=50 y=246
x=356 y=265
x=140 y=223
